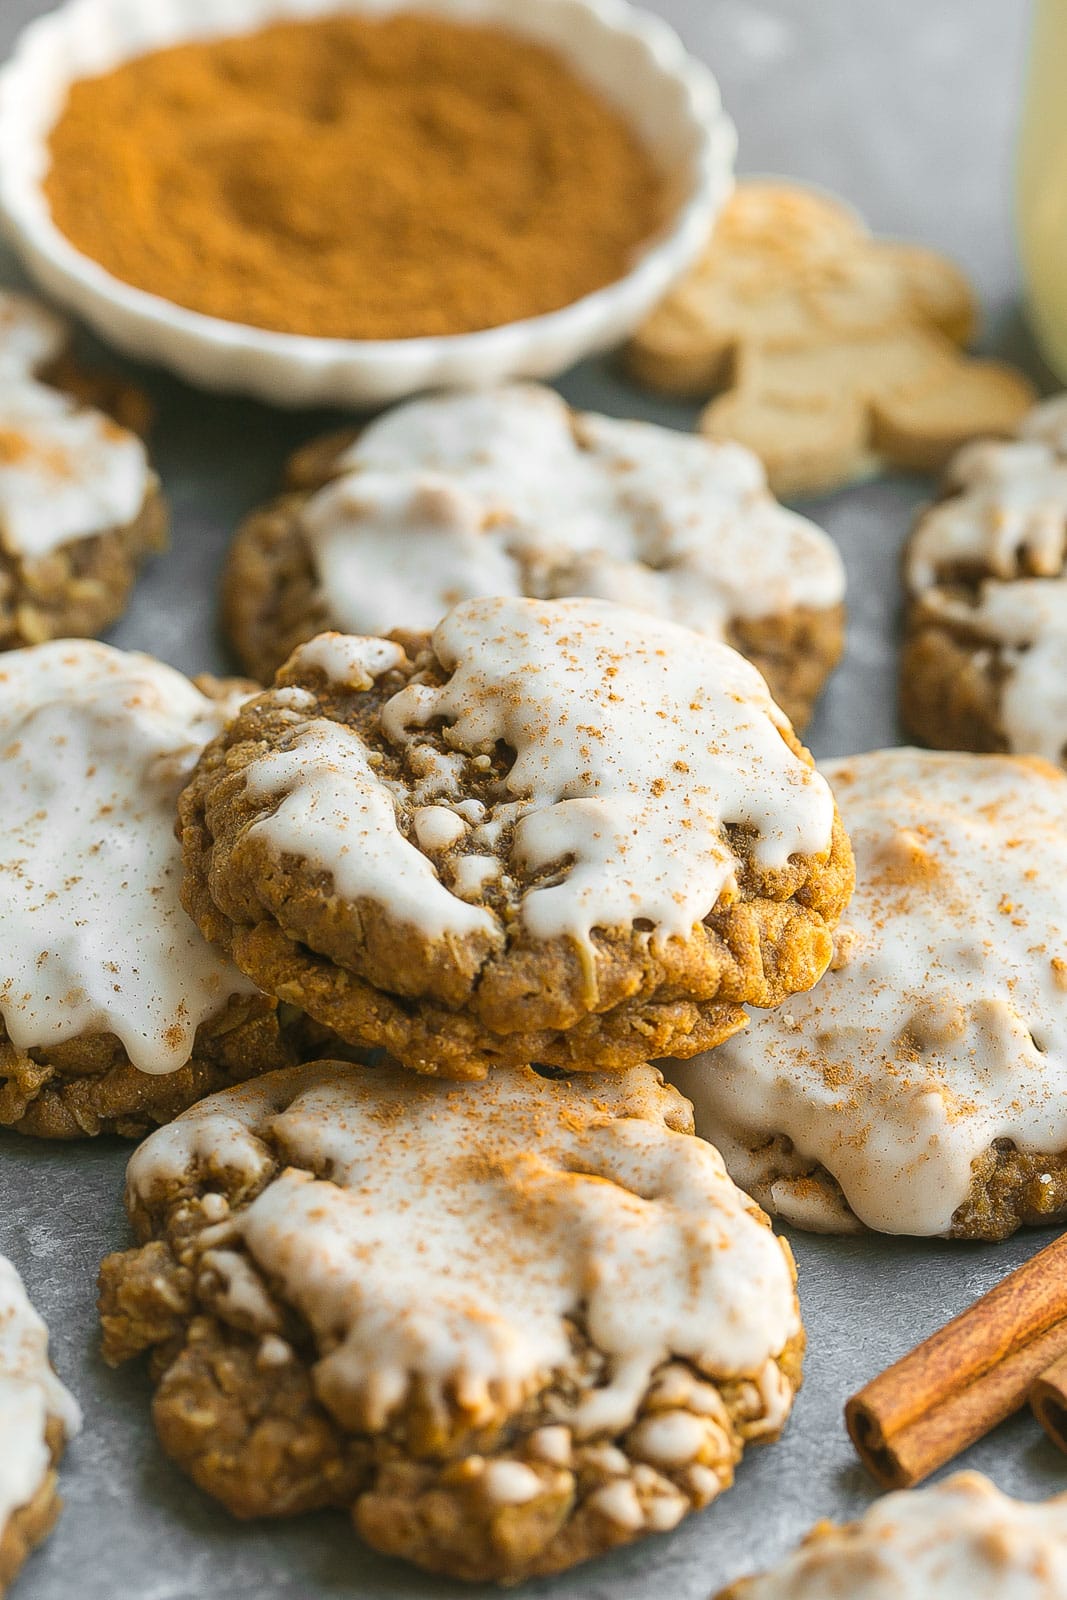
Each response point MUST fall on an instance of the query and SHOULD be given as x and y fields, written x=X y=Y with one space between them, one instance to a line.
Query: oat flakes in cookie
x=114 y=1012
x=560 y=832
x=832 y=354
x=80 y=507
x=985 y=662
x=37 y=1419
x=508 y=1326
x=957 y=1540
x=509 y=491
x=920 y=1088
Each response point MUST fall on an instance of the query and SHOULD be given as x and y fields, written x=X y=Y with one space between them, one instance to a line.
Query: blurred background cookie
x=116 y=1014
x=961 y=1536
x=509 y=1326
x=985 y=662
x=509 y=491
x=559 y=831
x=37 y=1418
x=918 y=1088
x=836 y=353
x=80 y=506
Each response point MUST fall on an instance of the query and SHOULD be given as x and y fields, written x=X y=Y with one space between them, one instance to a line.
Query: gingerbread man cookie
x=836 y=353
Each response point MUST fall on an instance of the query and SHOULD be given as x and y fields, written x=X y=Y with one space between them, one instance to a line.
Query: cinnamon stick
x=1048 y=1402
x=963 y=1380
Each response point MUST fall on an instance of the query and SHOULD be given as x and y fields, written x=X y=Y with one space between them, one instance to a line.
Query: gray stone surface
x=909 y=111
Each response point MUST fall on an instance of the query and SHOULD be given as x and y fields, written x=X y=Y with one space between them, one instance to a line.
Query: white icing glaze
x=1008 y=520
x=942 y=1024
x=444 y=1234
x=619 y=1503
x=96 y=747
x=959 y=1540
x=1027 y=620
x=31 y=336
x=30 y=1395
x=551 y=1444
x=1009 y=516
x=636 y=743
x=471 y=875
x=334 y=811
x=506 y=491
x=510 y=1483
x=66 y=471
x=669 y=1438
x=351 y=663
x=436 y=827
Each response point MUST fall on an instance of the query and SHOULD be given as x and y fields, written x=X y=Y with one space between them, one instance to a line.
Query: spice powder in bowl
x=354 y=177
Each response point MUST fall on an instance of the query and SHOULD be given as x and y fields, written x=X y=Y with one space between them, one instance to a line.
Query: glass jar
x=1042 y=182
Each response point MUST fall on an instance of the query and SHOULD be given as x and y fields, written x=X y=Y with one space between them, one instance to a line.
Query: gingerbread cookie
x=559 y=832
x=37 y=1418
x=985 y=661
x=837 y=354
x=509 y=1326
x=960 y=1538
x=919 y=1089
x=509 y=492
x=80 y=507
x=114 y=1012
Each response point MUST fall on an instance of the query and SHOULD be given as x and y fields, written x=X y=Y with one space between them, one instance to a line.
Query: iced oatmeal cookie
x=831 y=354
x=80 y=507
x=507 y=1326
x=510 y=492
x=920 y=1088
x=114 y=1012
x=37 y=1418
x=559 y=832
x=960 y=1537
x=985 y=664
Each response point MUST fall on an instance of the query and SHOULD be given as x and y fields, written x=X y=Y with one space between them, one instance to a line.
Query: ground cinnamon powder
x=354 y=177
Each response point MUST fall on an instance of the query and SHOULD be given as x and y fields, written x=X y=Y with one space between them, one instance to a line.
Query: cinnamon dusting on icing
x=596 y=702
x=447 y=1238
x=941 y=1027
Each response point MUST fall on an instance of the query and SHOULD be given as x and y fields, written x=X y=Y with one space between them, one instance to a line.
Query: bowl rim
x=29 y=223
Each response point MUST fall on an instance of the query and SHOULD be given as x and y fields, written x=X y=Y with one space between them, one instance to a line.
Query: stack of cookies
x=830 y=353
x=488 y=1292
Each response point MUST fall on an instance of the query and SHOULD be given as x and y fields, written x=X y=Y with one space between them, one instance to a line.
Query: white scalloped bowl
x=636 y=61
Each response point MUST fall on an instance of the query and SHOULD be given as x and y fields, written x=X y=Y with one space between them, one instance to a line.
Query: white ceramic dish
x=635 y=59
